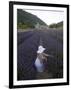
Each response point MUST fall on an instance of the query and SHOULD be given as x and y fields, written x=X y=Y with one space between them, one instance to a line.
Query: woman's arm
x=47 y=55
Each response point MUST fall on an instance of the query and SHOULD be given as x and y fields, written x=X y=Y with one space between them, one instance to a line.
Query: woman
x=41 y=58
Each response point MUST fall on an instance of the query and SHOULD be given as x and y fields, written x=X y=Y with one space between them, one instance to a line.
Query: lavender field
x=27 y=46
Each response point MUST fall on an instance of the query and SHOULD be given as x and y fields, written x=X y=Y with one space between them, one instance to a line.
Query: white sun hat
x=40 y=49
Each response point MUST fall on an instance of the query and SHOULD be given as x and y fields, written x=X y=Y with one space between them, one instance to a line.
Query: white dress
x=39 y=65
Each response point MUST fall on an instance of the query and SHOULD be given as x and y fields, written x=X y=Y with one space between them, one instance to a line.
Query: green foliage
x=27 y=20
x=58 y=25
x=24 y=26
x=53 y=26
